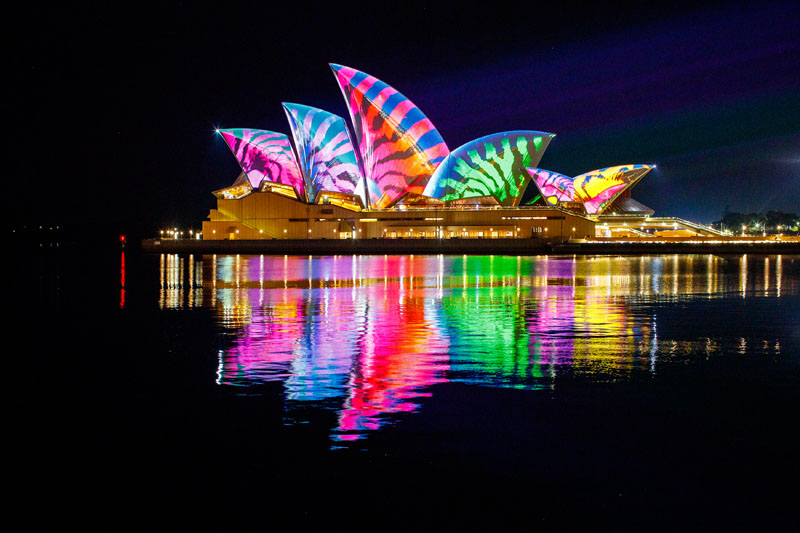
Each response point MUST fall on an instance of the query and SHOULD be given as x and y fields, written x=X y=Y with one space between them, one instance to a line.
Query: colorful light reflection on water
x=370 y=336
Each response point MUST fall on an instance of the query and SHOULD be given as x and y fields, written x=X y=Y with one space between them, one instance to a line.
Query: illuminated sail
x=399 y=146
x=554 y=187
x=494 y=165
x=265 y=156
x=327 y=158
x=598 y=188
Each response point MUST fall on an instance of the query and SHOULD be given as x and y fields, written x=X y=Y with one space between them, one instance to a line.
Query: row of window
x=417 y=234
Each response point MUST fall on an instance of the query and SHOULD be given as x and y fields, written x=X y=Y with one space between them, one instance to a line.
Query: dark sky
x=113 y=111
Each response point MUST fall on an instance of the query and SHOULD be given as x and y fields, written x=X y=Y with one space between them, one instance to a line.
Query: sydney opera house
x=397 y=178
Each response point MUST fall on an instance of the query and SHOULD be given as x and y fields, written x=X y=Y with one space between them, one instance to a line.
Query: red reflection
x=122 y=281
x=389 y=374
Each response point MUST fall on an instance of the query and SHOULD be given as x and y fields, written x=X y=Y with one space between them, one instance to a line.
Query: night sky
x=113 y=112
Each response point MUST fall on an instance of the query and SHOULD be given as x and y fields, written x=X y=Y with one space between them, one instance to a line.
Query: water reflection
x=122 y=281
x=181 y=281
x=368 y=336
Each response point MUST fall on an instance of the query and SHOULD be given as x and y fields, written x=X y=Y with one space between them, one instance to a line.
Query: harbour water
x=528 y=392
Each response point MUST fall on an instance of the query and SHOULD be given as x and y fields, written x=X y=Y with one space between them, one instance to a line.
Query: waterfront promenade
x=472 y=246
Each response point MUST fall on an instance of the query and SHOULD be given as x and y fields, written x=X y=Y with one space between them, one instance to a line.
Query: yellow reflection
x=675 y=275
x=709 y=275
x=743 y=275
x=161 y=273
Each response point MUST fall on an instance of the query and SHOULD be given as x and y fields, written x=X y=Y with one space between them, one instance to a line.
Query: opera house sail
x=492 y=166
x=389 y=174
x=554 y=187
x=326 y=155
x=400 y=148
x=265 y=157
x=598 y=188
x=595 y=190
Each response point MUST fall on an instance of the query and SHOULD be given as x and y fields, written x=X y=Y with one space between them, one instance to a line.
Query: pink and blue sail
x=265 y=156
x=326 y=155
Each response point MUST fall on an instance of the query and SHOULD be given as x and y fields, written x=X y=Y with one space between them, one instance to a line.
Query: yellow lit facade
x=267 y=215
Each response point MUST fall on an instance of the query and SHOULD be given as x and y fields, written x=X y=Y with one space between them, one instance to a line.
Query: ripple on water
x=370 y=337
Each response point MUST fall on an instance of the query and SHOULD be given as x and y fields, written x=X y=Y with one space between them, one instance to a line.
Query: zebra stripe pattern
x=554 y=187
x=493 y=165
x=598 y=188
x=327 y=157
x=399 y=146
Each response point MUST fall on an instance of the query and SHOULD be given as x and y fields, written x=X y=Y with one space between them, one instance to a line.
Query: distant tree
x=771 y=222
x=779 y=218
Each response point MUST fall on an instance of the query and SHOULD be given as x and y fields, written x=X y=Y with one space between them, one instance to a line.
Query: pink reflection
x=350 y=338
x=555 y=314
x=389 y=374
x=267 y=344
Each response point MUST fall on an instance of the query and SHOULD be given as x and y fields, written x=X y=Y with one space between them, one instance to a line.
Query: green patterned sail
x=493 y=165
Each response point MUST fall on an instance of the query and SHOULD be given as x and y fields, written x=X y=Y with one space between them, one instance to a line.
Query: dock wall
x=453 y=246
